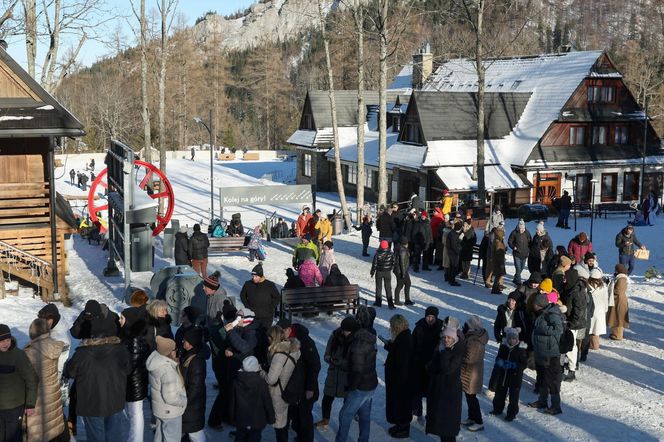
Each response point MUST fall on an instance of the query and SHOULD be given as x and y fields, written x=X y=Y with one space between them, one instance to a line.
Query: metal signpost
x=264 y=195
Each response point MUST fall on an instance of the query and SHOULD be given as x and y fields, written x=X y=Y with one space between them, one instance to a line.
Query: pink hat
x=552 y=297
x=452 y=333
x=384 y=244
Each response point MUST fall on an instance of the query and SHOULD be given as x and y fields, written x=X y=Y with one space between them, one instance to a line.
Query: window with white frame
x=306 y=165
x=368 y=178
x=599 y=134
x=576 y=135
x=352 y=175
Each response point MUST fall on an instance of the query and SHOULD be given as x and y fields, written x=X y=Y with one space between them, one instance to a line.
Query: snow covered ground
x=619 y=392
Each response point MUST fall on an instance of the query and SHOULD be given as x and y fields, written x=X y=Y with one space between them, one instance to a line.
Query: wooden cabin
x=32 y=233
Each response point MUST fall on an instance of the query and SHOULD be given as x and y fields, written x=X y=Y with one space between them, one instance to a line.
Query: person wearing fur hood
x=47 y=422
x=327 y=259
x=511 y=360
x=283 y=354
x=167 y=390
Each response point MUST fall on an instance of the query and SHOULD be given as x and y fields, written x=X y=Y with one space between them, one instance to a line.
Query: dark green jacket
x=18 y=379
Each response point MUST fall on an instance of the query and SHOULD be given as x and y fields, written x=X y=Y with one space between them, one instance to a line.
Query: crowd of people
x=266 y=369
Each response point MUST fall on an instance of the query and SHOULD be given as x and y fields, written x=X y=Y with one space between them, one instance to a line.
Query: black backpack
x=293 y=392
x=566 y=343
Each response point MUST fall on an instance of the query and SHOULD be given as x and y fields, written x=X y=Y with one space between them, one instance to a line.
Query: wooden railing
x=28 y=267
x=22 y=203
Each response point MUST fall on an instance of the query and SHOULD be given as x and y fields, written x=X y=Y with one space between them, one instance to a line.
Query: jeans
x=627 y=261
x=198 y=436
x=168 y=430
x=246 y=435
x=104 y=429
x=383 y=278
x=134 y=412
x=357 y=402
x=563 y=217
x=519 y=265
x=11 y=425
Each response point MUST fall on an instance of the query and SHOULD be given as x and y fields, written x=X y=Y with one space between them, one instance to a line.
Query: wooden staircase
x=27 y=267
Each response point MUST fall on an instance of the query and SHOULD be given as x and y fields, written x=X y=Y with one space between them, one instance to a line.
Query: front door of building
x=546 y=188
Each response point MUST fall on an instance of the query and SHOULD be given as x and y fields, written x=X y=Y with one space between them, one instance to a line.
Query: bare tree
x=145 y=111
x=335 y=127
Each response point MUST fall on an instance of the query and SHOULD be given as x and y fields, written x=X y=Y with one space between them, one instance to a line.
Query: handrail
x=24 y=261
x=22 y=252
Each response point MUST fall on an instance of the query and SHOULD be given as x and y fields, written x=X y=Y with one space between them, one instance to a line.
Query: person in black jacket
x=236 y=228
x=198 y=251
x=421 y=239
x=193 y=369
x=445 y=391
x=453 y=250
x=401 y=271
x=280 y=230
x=250 y=402
x=398 y=388
x=537 y=249
x=519 y=242
x=190 y=318
x=511 y=360
x=564 y=205
x=181 y=248
x=133 y=337
x=505 y=317
x=385 y=226
x=382 y=265
x=261 y=296
x=336 y=278
x=301 y=412
x=575 y=297
x=292 y=280
x=366 y=230
x=468 y=241
x=159 y=322
x=362 y=383
x=100 y=357
x=426 y=336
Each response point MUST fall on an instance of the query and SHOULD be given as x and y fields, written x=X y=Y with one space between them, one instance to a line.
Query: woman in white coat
x=283 y=354
x=169 y=397
x=600 y=294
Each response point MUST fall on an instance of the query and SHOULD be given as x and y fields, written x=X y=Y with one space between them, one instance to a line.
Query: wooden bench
x=582 y=208
x=319 y=299
x=617 y=208
x=226 y=157
x=228 y=244
x=251 y=156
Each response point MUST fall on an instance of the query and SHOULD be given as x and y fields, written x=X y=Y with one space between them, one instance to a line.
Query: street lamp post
x=592 y=208
x=200 y=121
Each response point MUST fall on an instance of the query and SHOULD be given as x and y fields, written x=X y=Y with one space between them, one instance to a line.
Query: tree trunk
x=335 y=128
x=361 y=110
x=51 y=59
x=162 y=96
x=147 y=137
x=481 y=70
x=382 y=107
x=30 y=16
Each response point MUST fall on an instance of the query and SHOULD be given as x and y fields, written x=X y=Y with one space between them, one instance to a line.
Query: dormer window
x=601 y=94
x=396 y=123
x=412 y=133
x=599 y=134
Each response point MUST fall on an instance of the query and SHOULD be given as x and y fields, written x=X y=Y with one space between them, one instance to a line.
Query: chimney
x=422 y=65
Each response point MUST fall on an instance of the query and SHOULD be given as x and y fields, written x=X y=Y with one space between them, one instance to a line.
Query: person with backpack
x=181 y=248
x=300 y=410
x=381 y=267
x=547 y=332
x=511 y=360
x=250 y=402
x=283 y=355
x=361 y=384
x=401 y=271
x=336 y=356
x=198 y=251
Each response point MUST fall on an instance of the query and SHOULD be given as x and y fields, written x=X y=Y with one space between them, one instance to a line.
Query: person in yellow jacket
x=446 y=202
x=325 y=228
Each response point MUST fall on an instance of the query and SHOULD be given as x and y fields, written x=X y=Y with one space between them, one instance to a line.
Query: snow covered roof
x=552 y=79
x=496 y=177
x=404 y=79
x=302 y=137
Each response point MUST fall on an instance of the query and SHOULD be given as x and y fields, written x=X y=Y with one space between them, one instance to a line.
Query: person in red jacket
x=437 y=244
x=579 y=246
x=303 y=221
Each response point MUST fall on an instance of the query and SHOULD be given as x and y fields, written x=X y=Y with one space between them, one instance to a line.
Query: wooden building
x=32 y=233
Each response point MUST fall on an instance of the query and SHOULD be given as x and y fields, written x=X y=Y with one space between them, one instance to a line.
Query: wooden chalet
x=553 y=122
x=33 y=225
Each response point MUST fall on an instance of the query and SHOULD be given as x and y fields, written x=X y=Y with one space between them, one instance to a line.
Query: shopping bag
x=642 y=254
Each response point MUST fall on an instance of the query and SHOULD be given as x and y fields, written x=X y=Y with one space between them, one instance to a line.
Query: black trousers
x=428 y=254
x=244 y=435
x=416 y=256
x=326 y=406
x=302 y=420
x=501 y=395
x=383 y=278
x=402 y=283
x=11 y=425
x=550 y=375
x=474 y=412
x=452 y=271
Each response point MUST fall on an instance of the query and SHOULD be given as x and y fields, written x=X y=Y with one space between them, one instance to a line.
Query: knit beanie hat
x=228 y=310
x=403 y=240
x=250 y=364
x=474 y=322
x=183 y=229
x=5 y=333
x=540 y=227
x=50 y=311
x=257 y=270
x=194 y=336
x=329 y=244
x=522 y=224
x=284 y=323
x=596 y=274
x=588 y=255
x=552 y=297
x=350 y=324
x=514 y=295
x=541 y=300
x=212 y=281
x=451 y=332
x=165 y=345
x=384 y=244
x=511 y=332
x=546 y=285
x=192 y=313
x=431 y=310
x=92 y=308
x=535 y=277
x=565 y=261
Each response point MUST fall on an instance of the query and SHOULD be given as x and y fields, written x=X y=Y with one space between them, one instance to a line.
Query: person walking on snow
x=198 y=251
x=381 y=267
x=401 y=271
x=519 y=242
x=625 y=241
x=366 y=230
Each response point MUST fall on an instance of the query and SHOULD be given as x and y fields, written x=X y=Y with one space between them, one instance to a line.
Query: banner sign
x=265 y=195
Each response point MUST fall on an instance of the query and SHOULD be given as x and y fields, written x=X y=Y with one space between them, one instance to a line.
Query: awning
x=496 y=177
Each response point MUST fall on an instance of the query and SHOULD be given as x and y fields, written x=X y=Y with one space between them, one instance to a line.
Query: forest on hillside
x=256 y=94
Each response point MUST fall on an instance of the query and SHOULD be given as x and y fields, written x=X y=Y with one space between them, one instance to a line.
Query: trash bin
x=168 y=245
x=142 y=251
x=337 y=225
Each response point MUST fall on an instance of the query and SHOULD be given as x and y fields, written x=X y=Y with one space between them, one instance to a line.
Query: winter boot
x=475 y=427
x=570 y=376
x=555 y=405
x=400 y=431
x=282 y=434
x=322 y=424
